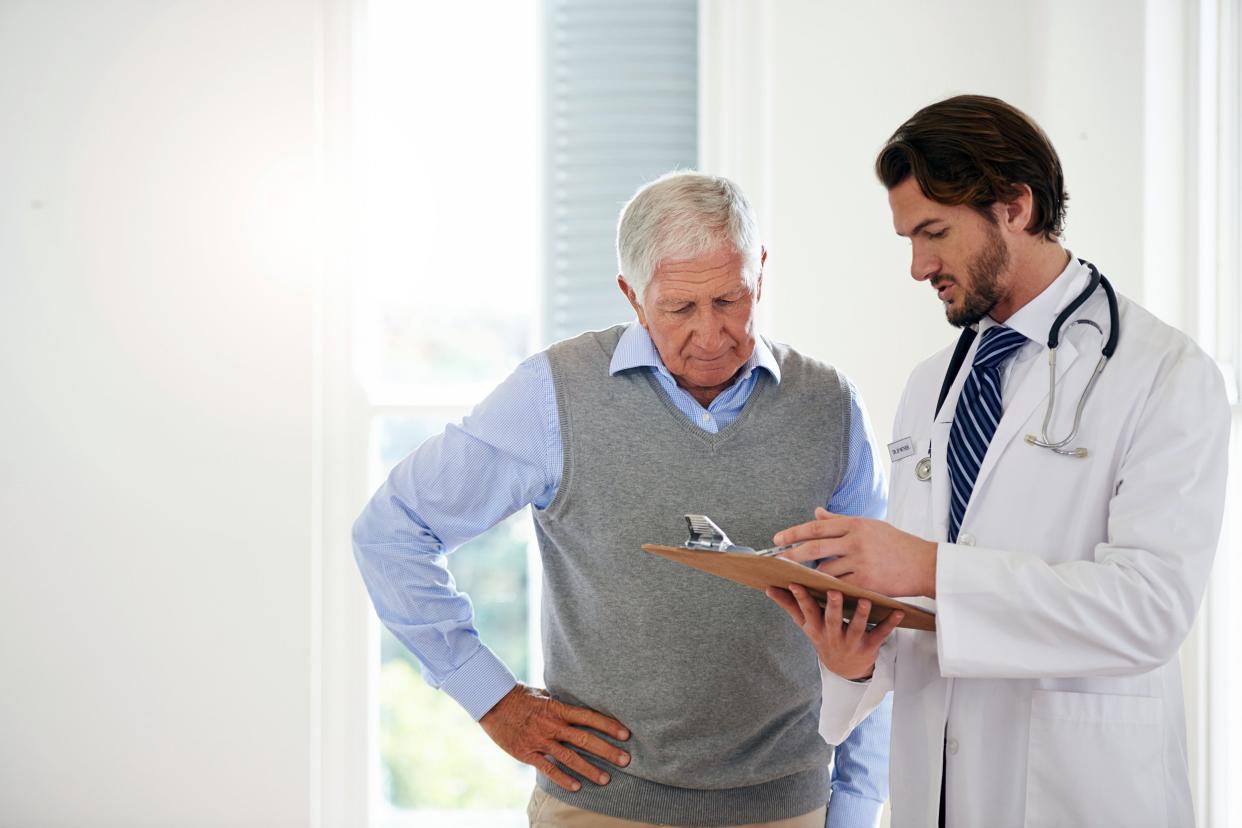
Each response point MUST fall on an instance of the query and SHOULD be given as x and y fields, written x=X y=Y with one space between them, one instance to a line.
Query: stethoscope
x=922 y=469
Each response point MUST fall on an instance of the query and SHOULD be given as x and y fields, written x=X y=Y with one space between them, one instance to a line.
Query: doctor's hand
x=869 y=553
x=535 y=728
x=849 y=650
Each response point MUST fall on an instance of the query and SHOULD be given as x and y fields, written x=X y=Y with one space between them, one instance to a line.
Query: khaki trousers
x=549 y=812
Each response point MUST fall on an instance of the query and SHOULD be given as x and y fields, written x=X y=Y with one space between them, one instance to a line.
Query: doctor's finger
x=812 y=550
x=884 y=629
x=832 y=612
x=784 y=598
x=833 y=527
x=858 y=623
x=814 y=622
x=838 y=566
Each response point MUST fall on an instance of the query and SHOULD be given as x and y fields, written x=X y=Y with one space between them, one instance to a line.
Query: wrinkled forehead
x=714 y=274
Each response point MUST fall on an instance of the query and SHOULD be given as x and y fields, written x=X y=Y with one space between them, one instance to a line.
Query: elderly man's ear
x=632 y=297
x=763 y=259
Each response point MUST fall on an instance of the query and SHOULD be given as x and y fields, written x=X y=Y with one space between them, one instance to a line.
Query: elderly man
x=673 y=697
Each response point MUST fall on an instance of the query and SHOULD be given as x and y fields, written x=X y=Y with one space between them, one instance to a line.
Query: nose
x=923 y=263
x=709 y=331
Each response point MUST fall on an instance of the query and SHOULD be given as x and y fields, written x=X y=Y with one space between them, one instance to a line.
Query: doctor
x=1065 y=572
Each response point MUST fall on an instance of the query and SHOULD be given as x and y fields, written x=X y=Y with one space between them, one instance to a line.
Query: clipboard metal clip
x=706 y=535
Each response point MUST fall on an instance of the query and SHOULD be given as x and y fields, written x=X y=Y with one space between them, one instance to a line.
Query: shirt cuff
x=480 y=682
x=846 y=810
x=840 y=702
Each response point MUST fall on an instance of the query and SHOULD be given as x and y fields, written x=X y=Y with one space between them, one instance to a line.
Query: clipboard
x=761 y=572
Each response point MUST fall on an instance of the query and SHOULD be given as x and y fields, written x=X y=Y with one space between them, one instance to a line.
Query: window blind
x=622 y=108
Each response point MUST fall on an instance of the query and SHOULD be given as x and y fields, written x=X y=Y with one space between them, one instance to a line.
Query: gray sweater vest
x=719 y=689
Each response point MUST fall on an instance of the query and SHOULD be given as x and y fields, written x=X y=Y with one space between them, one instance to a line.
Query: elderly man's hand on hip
x=535 y=728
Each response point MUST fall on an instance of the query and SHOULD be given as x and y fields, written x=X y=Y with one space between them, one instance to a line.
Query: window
x=450 y=144
x=498 y=142
x=622 y=87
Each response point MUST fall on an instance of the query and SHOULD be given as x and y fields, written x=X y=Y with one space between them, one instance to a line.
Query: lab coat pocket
x=1095 y=759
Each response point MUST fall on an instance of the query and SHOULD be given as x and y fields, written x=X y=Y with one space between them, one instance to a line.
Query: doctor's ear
x=1018 y=214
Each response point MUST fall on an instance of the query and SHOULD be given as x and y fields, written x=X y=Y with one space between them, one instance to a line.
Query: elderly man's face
x=700 y=315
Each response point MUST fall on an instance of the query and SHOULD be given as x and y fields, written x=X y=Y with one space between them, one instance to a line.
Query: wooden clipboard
x=761 y=573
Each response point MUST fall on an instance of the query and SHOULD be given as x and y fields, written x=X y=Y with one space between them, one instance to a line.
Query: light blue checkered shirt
x=507 y=454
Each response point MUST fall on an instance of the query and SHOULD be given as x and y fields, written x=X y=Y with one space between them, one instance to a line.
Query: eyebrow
x=735 y=293
x=922 y=224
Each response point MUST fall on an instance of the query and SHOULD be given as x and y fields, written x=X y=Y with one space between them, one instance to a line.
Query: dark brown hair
x=975 y=150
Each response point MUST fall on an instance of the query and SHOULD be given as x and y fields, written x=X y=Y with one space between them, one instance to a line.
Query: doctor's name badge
x=901 y=449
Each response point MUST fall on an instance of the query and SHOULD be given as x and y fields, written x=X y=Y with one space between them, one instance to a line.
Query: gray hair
x=683 y=215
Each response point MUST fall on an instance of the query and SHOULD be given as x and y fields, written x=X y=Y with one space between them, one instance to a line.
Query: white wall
x=155 y=361
x=840 y=78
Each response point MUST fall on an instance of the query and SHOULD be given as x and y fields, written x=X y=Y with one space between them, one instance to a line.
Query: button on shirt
x=507 y=454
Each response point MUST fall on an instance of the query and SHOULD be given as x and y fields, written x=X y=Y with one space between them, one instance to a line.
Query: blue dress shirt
x=507 y=454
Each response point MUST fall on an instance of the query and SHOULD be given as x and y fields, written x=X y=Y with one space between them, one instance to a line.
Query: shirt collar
x=636 y=350
x=1034 y=319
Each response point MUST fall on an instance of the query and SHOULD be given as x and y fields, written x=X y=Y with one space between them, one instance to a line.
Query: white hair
x=684 y=215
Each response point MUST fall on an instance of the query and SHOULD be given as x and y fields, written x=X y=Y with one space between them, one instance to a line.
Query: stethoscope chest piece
x=922 y=469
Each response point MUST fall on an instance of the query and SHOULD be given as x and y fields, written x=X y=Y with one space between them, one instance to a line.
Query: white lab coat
x=1051 y=687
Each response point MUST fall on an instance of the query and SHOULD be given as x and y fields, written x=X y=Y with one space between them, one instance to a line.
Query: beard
x=984 y=289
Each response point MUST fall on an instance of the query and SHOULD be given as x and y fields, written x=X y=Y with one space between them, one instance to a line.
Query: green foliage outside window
x=433 y=754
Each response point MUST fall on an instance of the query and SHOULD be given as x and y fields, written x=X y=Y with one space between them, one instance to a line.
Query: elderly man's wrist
x=480 y=682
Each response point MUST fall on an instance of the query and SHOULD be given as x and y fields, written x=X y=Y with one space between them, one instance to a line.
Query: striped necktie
x=974 y=421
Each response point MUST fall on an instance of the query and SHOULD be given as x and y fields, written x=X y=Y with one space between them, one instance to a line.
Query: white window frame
x=343 y=717
x=344 y=758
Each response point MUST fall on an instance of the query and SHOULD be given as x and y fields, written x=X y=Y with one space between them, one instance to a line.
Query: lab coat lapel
x=941 y=426
x=940 y=486
x=1027 y=397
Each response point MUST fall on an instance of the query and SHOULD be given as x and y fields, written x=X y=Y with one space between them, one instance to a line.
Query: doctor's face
x=958 y=251
x=700 y=314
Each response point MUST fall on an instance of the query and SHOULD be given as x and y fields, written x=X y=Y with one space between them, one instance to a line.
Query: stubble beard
x=985 y=289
